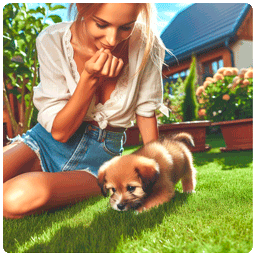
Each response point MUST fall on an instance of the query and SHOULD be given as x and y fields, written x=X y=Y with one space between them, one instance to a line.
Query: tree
x=21 y=26
x=190 y=105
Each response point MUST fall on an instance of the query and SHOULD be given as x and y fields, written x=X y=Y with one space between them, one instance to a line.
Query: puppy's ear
x=102 y=174
x=148 y=171
x=102 y=181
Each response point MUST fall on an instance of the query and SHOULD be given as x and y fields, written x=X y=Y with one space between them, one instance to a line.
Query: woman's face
x=111 y=24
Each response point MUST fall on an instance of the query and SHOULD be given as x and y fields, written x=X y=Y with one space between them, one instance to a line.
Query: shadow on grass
x=108 y=229
x=22 y=230
x=227 y=160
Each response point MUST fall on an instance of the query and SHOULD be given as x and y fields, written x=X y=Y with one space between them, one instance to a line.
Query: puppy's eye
x=113 y=190
x=131 y=188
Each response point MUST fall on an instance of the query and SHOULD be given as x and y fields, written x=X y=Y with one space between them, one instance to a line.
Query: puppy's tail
x=185 y=138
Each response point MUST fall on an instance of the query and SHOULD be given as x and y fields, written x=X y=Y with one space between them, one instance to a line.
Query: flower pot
x=196 y=128
x=237 y=134
x=133 y=136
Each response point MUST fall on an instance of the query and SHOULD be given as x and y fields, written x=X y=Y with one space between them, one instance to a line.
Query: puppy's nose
x=121 y=206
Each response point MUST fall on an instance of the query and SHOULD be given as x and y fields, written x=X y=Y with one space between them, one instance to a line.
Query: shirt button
x=89 y=128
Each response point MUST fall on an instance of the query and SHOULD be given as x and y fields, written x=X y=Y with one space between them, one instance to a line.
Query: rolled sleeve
x=52 y=94
x=150 y=95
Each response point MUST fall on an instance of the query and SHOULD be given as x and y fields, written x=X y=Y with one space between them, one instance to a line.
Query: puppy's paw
x=140 y=209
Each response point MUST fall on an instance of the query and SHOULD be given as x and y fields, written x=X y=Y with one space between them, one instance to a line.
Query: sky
x=166 y=12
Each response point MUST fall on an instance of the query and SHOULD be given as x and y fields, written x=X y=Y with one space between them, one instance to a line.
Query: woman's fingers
x=100 y=63
x=113 y=67
x=103 y=63
x=95 y=57
x=119 y=67
x=107 y=66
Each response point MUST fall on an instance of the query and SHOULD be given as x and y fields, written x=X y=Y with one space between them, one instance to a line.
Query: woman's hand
x=103 y=64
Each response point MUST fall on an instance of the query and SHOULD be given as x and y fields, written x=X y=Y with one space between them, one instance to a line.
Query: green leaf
x=55 y=18
x=23 y=70
x=41 y=9
x=57 y=7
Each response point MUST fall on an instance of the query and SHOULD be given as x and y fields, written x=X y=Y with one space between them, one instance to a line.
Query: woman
x=97 y=74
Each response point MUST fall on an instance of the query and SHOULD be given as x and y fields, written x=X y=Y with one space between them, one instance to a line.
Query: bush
x=182 y=101
x=172 y=101
x=20 y=29
x=190 y=105
x=226 y=96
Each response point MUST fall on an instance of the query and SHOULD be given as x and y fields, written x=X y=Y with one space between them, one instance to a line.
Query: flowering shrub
x=226 y=96
x=182 y=103
x=173 y=102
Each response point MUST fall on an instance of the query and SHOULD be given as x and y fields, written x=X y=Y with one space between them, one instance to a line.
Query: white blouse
x=141 y=94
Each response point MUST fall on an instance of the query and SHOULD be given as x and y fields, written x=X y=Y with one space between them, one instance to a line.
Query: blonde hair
x=147 y=16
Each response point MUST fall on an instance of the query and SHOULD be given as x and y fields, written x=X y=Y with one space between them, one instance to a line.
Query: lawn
x=217 y=218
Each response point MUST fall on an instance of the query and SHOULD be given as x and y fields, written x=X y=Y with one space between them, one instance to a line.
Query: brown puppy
x=146 y=178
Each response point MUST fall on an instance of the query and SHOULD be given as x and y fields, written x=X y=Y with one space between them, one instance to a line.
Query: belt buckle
x=90 y=128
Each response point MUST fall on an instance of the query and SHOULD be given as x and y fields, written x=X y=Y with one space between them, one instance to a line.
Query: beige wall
x=243 y=54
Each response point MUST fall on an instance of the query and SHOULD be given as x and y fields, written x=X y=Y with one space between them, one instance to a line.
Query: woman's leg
x=34 y=192
x=18 y=158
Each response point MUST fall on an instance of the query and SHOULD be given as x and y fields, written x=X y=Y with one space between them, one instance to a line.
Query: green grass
x=217 y=218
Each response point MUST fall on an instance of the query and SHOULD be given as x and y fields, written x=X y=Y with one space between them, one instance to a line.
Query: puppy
x=146 y=178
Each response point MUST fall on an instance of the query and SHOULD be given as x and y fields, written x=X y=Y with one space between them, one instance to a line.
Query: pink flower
x=226 y=97
x=228 y=72
x=218 y=77
x=221 y=70
x=199 y=90
x=202 y=112
x=243 y=71
x=209 y=79
x=245 y=83
x=201 y=101
x=236 y=80
x=248 y=74
x=234 y=71
x=206 y=84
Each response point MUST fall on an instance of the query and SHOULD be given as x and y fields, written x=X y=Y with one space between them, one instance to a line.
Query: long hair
x=147 y=16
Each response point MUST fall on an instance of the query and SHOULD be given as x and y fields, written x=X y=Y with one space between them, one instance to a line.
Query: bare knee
x=18 y=158
x=24 y=195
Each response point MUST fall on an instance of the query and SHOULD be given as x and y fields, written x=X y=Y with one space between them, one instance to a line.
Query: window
x=217 y=65
x=211 y=67
x=183 y=74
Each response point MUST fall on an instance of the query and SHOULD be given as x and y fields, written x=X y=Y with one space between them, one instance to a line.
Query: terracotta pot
x=196 y=128
x=133 y=136
x=237 y=134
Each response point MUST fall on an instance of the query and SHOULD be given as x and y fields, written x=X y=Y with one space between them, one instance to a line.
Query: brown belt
x=108 y=128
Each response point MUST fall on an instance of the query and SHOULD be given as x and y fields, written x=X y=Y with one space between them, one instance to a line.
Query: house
x=219 y=34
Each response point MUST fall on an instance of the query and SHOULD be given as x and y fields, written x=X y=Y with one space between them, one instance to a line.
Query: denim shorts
x=86 y=150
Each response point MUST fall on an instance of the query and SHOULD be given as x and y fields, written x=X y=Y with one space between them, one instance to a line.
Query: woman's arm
x=68 y=120
x=148 y=128
x=71 y=116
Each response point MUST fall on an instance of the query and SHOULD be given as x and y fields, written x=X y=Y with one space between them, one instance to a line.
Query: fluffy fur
x=147 y=177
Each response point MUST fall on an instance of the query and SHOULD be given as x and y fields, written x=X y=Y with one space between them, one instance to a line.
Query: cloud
x=162 y=24
x=170 y=14
x=182 y=5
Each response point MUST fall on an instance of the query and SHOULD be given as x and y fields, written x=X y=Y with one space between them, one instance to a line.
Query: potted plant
x=188 y=112
x=226 y=99
x=20 y=29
